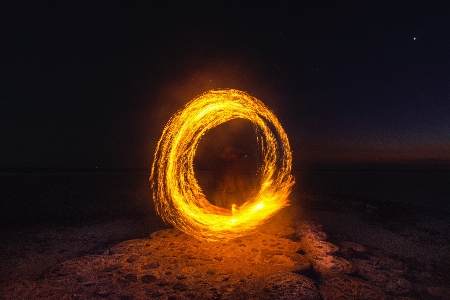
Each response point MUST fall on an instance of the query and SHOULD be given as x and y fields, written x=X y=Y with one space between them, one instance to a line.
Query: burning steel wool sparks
x=178 y=198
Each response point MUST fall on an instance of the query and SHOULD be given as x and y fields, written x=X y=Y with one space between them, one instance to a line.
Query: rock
x=352 y=250
x=439 y=292
x=327 y=265
x=345 y=245
x=288 y=285
x=148 y=278
x=18 y=289
x=132 y=259
x=130 y=278
x=346 y=287
x=180 y=286
x=383 y=275
x=173 y=265
x=112 y=268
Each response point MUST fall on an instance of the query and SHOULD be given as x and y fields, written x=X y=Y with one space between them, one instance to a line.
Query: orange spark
x=178 y=197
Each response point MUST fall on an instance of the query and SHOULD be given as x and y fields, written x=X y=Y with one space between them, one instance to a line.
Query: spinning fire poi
x=178 y=198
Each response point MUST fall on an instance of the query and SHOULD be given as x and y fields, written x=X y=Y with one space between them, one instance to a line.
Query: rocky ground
x=326 y=251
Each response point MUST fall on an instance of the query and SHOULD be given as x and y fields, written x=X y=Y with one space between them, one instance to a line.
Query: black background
x=89 y=84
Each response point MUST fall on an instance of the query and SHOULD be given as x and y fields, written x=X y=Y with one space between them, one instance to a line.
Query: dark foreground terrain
x=95 y=235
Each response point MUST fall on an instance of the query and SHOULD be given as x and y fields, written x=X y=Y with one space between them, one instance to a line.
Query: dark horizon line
x=316 y=166
x=72 y=169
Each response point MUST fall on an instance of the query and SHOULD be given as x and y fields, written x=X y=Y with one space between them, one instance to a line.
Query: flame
x=178 y=197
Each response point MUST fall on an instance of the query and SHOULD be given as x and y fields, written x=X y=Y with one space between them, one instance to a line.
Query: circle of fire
x=178 y=197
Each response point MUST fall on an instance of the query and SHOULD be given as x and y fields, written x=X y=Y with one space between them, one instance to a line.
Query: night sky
x=92 y=84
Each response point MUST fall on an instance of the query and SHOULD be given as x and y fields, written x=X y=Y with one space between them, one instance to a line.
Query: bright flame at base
x=179 y=199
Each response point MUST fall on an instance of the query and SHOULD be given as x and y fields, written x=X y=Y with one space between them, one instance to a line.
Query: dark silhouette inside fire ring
x=226 y=163
x=232 y=182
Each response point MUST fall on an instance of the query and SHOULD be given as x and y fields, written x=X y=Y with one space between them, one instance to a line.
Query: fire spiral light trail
x=178 y=197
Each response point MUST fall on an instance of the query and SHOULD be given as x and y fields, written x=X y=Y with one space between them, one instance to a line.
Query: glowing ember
x=178 y=197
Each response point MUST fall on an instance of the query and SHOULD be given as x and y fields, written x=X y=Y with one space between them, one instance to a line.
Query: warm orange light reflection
x=179 y=199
